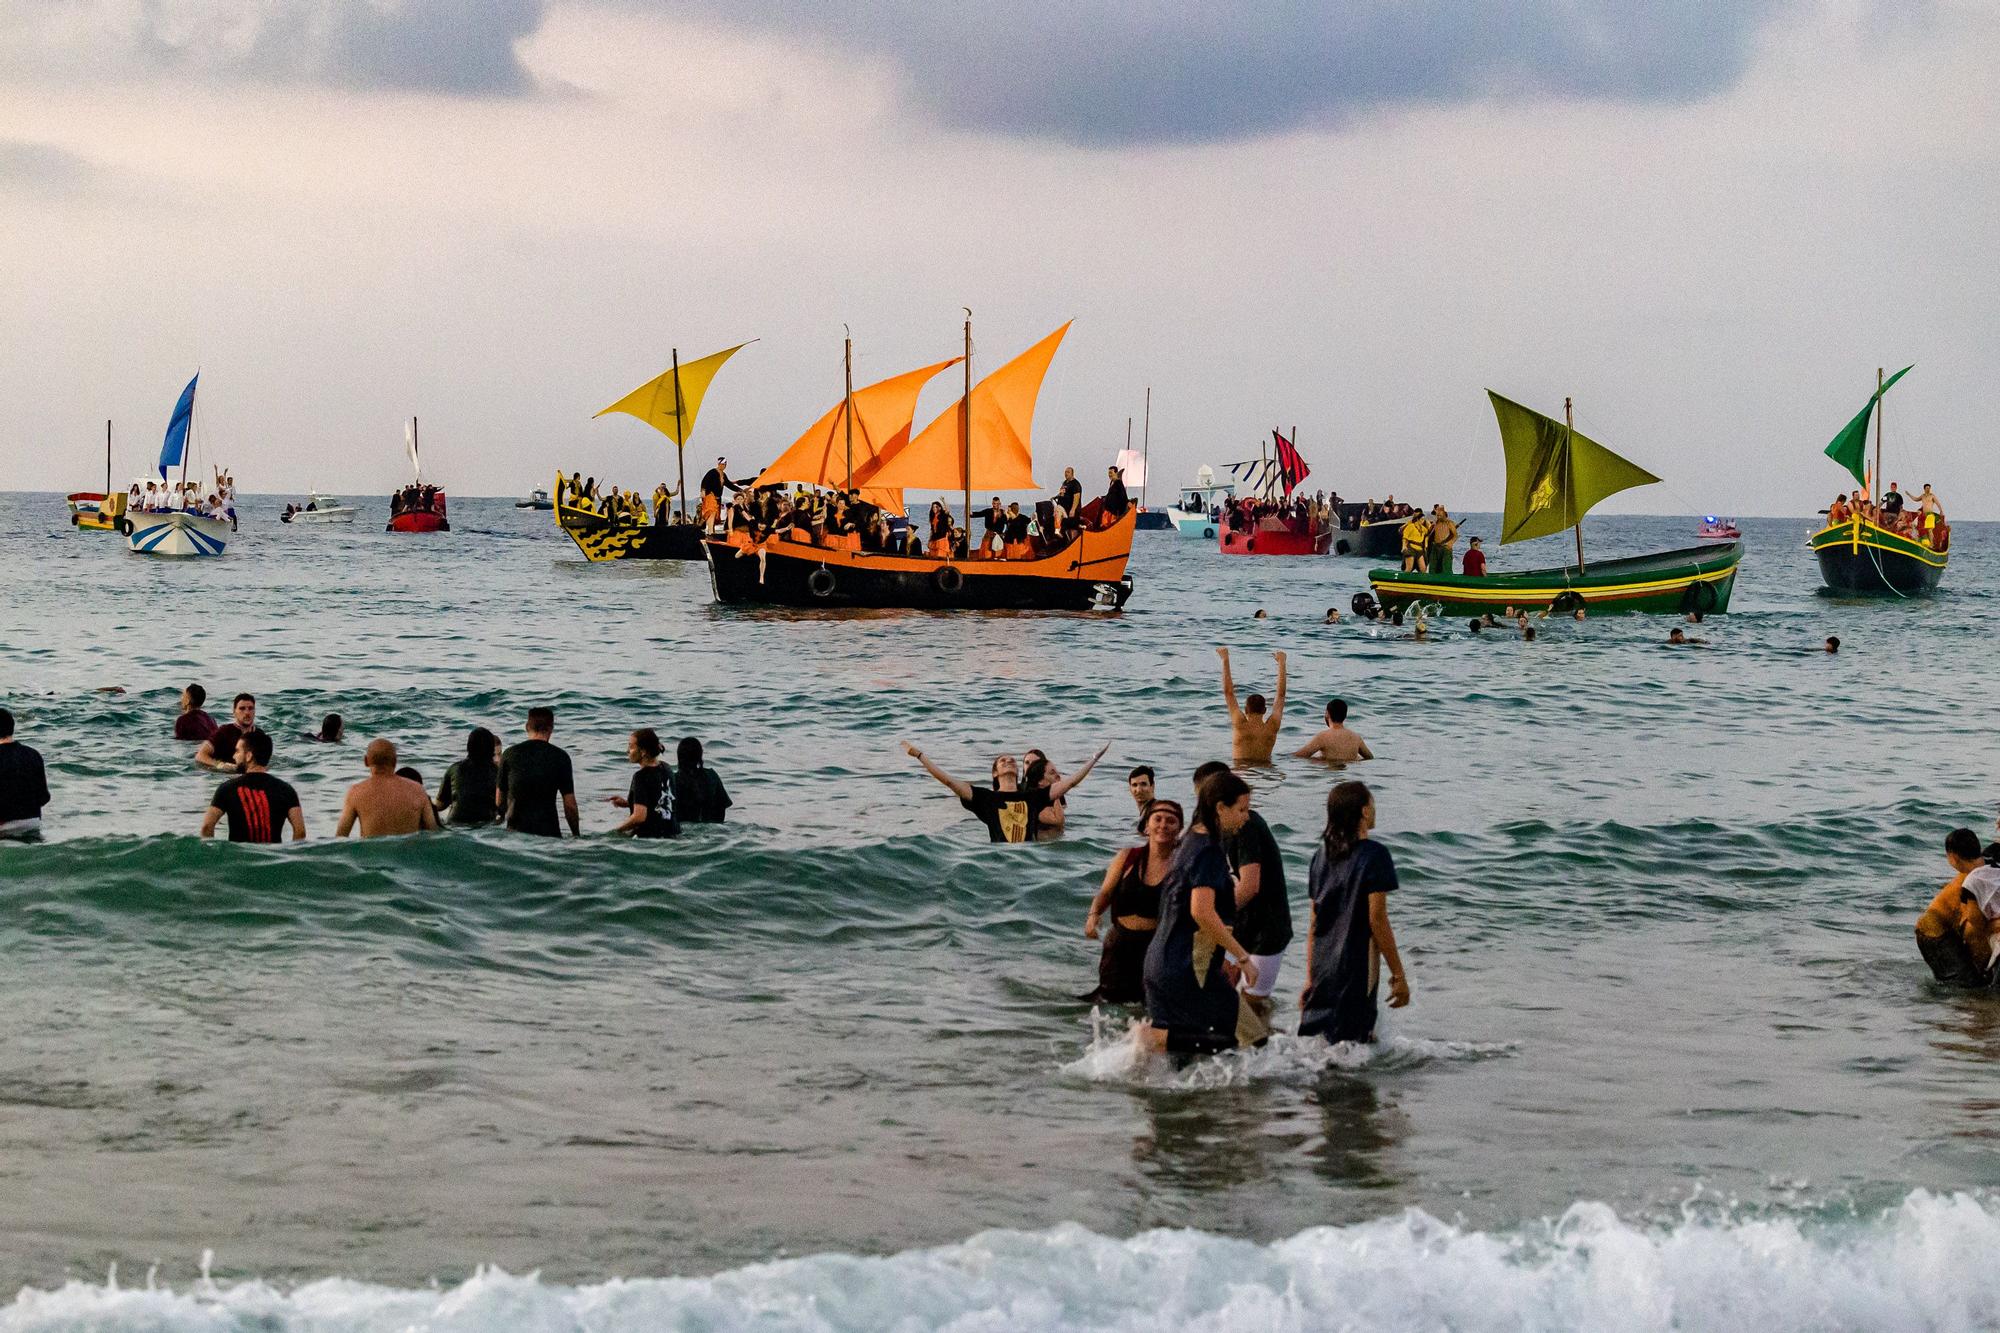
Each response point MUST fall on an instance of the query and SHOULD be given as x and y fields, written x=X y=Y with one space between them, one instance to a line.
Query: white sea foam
x=1927 y=1264
x=1112 y=1057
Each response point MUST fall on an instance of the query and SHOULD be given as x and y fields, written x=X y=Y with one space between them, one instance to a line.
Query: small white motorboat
x=318 y=509
x=538 y=499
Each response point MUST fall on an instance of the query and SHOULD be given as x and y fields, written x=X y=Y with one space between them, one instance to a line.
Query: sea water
x=1672 y=1059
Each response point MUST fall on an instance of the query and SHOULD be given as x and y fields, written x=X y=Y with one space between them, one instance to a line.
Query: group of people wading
x=1920 y=517
x=1195 y=920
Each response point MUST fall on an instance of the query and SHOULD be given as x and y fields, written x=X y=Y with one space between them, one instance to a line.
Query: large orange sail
x=1002 y=412
x=884 y=414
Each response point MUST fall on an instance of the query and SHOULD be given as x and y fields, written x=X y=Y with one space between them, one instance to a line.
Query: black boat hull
x=1874 y=573
x=790 y=580
x=601 y=541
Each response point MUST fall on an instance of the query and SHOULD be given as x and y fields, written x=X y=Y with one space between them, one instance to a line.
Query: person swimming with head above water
x=1195 y=961
x=1130 y=896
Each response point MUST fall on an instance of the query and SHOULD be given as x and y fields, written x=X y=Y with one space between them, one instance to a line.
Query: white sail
x=1132 y=464
x=410 y=443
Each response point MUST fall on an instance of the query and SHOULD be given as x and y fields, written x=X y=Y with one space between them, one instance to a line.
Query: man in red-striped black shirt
x=257 y=805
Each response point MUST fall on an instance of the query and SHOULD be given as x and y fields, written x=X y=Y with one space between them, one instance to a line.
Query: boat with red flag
x=1267 y=520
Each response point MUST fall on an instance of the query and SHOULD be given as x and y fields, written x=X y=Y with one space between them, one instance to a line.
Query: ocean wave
x=1926 y=1263
x=1112 y=1057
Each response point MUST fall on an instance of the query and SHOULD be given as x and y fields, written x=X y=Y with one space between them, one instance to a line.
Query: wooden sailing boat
x=1554 y=477
x=980 y=442
x=90 y=511
x=669 y=403
x=177 y=532
x=417 y=507
x=1858 y=555
x=1273 y=480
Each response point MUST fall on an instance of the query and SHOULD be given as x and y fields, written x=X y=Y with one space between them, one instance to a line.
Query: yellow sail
x=884 y=413
x=658 y=405
x=1001 y=455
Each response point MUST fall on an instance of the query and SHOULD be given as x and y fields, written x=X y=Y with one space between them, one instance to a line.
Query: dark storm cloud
x=460 y=47
x=1119 y=71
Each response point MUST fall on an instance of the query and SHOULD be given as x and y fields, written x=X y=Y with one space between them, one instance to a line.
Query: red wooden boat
x=1265 y=523
x=417 y=507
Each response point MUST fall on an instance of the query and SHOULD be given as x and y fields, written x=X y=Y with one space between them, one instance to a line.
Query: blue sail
x=177 y=428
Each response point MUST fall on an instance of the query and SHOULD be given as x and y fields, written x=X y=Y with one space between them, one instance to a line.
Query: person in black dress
x=1195 y=961
x=1350 y=881
x=470 y=792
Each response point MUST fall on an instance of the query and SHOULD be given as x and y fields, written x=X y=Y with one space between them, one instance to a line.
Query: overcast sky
x=1708 y=221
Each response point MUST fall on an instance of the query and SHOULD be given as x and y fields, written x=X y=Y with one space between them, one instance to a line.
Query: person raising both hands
x=1010 y=811
x=1253 y=732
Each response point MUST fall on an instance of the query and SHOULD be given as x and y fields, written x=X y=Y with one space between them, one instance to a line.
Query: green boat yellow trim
x=1698 y=578
x=1857 y=533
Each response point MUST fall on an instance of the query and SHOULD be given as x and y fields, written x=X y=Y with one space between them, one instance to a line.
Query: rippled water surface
x=1656 y=909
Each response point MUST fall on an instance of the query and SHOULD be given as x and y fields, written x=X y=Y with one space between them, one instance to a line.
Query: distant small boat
x=180 y=531
x=1197 y=513
x=93 y=511
x=1718 y=529
x=318 y=509
x=417 y=507
x=536 y=500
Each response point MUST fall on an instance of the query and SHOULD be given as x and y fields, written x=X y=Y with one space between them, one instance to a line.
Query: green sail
x=1554 y=475
x=1850 y=447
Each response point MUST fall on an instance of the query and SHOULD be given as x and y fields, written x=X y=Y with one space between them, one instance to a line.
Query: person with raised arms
x=1253 y=732
x=1010 y=811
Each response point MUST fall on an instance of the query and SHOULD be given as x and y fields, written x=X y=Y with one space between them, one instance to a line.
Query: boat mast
x=1569 y=484
x=1145 y=449
x=965 y=431
x=1875 y=490
x=680 y=432
x=107 y=460
x=847 y=409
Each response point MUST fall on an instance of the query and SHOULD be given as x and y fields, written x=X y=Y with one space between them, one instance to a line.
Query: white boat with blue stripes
x=179 y=532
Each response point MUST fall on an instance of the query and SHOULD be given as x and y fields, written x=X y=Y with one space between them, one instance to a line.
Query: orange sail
x=884 y=413
x=1002 y=411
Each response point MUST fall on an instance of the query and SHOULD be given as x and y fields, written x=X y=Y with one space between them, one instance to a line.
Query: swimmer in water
x=1677 y=637
x=384 y=804
x=1833 y=643
x=1332 y=615
x=1336 y=744
x=1140 y=783
x=1253 y=732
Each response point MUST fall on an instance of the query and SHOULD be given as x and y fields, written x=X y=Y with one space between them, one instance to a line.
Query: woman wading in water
x=1131 y=894
x=1350 y=882
x=1194 y=962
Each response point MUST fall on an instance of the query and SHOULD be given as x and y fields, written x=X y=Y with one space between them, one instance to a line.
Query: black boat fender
x=124 y=526
x=948 y=578
x=1569 y=601
x=1341 y=547
x=820 y=582
x=1699 y=597
x=1364 y=605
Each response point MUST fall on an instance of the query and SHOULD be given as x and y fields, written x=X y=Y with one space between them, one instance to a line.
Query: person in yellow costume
x=1416 y=542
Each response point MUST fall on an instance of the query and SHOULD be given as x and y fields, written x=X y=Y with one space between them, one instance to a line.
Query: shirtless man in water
x=384 y=804
x=1337 y=744
x=1253 y=732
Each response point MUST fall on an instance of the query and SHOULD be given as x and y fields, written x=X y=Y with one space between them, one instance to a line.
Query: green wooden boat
x=1554 y=477
x=1859 y=556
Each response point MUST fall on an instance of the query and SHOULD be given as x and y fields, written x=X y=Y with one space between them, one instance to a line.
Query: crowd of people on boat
x=615 y=505
x=1919 y=517
x=1300 y=510
x=840 y=519
x=416 y=498
x=216 y=501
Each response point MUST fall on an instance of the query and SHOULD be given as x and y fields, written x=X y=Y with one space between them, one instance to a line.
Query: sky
x=1706 y=221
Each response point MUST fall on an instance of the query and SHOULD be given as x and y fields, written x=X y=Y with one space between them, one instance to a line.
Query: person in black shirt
x=1115 y=500
x=219 y=750
x=698 y=794
x=257 y=805
x=651 y=797
x=994 y=519
x=470 y=792
x=24 y=785
x=533 y=774
x=1348 y=937
x=1010 y=812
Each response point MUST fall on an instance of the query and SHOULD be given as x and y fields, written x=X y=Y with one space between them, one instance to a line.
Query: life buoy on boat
x=820 y=582
x=124 y=526
x=948 y=579
x=1699 y=597
x=1208 y=532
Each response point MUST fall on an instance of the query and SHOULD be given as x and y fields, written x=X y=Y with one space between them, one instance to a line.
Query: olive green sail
x=1850 y=447
x=1554 y=477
